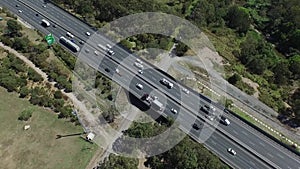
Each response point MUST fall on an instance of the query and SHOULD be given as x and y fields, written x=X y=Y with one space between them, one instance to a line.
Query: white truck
x=157 y=105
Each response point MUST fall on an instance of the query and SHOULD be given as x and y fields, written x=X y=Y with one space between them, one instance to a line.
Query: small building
x=90 y=136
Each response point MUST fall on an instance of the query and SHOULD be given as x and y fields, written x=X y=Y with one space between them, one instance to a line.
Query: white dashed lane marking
x=235 y=132
x=280 y=156
x=270 y=155
x=251 y=143
x=245 y=133
x=261 y=143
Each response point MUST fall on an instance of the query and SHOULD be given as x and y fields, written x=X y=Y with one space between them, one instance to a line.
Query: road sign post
x=50 y=39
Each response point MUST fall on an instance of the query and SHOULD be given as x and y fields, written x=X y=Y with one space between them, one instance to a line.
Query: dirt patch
x=141 y=164
x=253 y=85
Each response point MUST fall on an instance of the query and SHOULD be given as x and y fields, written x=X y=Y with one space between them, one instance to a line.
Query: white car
x=208 y=109
x=231 y=151
x=139 y=61
x=96 y=53
x=185 y=90
x=139 y=86
x=140 y=71
x=138 y=65
x=110 y=52
x=70 y=35
x=109 y=46
x=88 y=33
x=174 y=111
x=224 y=120
x=20 y=11
x=210 y=117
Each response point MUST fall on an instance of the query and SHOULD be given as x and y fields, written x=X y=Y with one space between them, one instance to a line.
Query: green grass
x=38 y=146
x=243 y=115
x=264 y=128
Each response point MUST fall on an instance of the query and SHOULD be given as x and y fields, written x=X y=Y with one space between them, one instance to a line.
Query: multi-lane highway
x=247 y=141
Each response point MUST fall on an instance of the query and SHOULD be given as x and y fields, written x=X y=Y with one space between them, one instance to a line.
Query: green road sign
x=50 y=39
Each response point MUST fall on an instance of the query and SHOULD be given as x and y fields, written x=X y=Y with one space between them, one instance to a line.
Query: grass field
x=38 y=146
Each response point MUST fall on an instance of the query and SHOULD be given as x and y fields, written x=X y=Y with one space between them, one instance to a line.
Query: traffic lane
x=259 y=142
x=220 y=144
x=155 y=76
x=26 y=15
x=77 y=25
x=52 y=18
x=81 y=26
x=261 y=145
x=35 y=21
x=123 y=57
x=31 y=18
x=243 y=158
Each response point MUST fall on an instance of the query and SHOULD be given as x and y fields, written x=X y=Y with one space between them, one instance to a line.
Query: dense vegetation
x=17 y=76
x=118 y=162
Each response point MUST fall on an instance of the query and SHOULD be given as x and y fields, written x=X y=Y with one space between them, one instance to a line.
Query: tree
x=10 y=82
x=127 y=44
x=21 y=44
x=281 y=73
x=187 y=154
x=119 y=162
x=294 y=39
x=13 y=28
x=248 y=49
x=24 y=92
x=294 y=66
x=84 y=8
x=257 y=66
x=234 y=79
x=109 y=115
x=180 y=49
x=238 y=18
x=58 y=94
x=65 y=112
x=33 y=75
x=295 y=103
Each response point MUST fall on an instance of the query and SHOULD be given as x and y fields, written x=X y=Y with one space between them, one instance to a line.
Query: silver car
x=138 y=65
x=231 y=151
x=139 y=86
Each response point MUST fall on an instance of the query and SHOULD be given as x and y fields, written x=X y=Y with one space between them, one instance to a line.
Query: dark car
x=107 y=70
x=196 y=126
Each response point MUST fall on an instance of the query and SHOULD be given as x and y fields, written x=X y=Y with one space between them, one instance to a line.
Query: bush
x=25 y=115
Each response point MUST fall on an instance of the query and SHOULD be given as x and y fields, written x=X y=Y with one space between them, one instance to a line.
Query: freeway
x=242 y=132
x=217 y=142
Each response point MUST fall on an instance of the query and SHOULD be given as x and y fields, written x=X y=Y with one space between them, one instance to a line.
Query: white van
x=70 y=35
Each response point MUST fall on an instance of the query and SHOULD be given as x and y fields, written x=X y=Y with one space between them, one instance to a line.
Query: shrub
x=25 y=115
